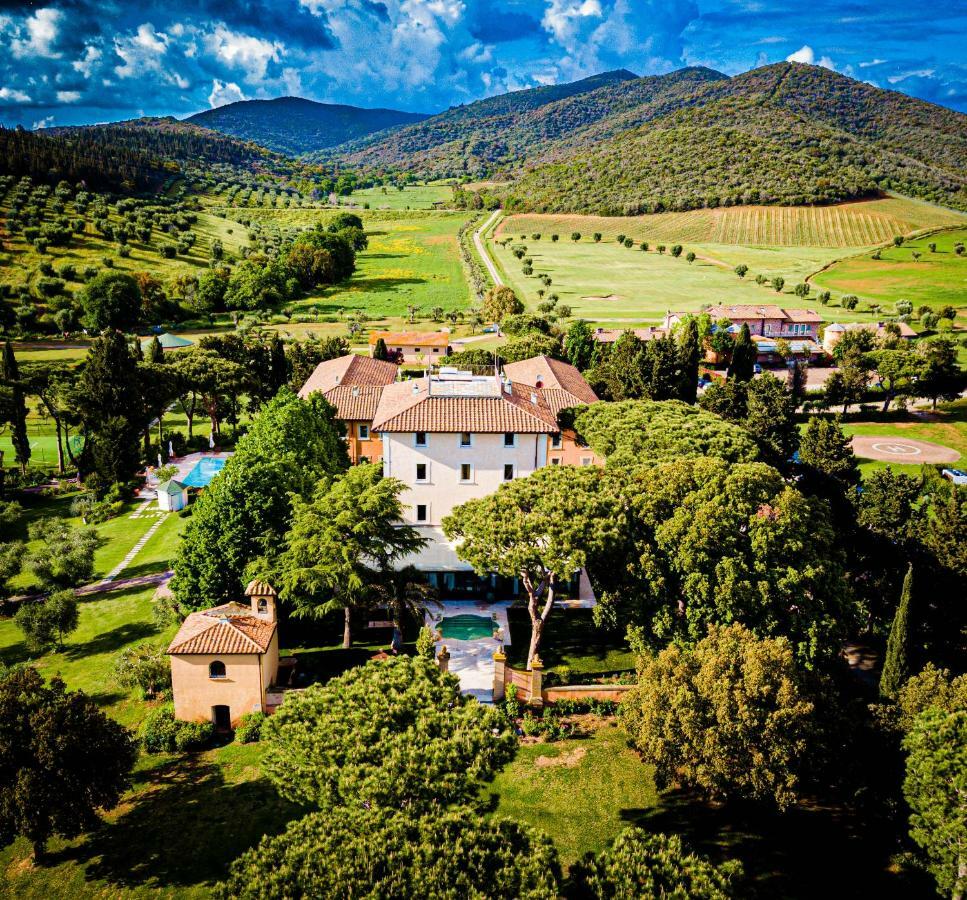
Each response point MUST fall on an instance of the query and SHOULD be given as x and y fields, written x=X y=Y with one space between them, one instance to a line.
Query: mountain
x=784 y=133
x=293 y=125
x=492 y=131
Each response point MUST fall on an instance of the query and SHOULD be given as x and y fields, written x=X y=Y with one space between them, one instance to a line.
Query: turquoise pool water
x=467 y=627
x=203 y=472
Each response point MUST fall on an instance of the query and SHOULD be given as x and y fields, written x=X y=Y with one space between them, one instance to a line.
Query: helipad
x=902 y=450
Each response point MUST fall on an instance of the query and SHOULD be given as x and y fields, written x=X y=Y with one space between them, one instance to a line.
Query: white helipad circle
x=895 y=448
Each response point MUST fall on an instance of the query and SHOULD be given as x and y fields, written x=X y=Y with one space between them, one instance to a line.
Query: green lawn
x=413 y=196
x=608 y=283
x=581 y=792
x=936 y=279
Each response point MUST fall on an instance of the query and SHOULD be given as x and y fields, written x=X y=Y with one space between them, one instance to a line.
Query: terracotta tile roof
x=257 y=588
x=226 y=629
x=354 y=403
x=407 y=406
x=349 y=369
x=542 y=371
x=411 y=338
x=766 y=311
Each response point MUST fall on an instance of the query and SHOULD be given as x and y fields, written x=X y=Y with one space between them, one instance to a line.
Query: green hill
x=294 y=125
x=786 y=133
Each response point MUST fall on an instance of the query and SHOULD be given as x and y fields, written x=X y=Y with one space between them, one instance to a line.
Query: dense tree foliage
x=648 y=431
x=392 y=734
x=896 y=661
x=244 y=514
x=708 y=542
x=644 y=864
x=450 y=853
x=47 y=621
x=61 y=760
x=730 y=716
x=936 y=790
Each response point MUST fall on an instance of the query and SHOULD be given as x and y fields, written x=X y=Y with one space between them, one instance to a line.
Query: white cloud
x=806 y=55
x=141 y=52
x=562 y=18
x=243 y=51
x=872 y=62
x=38 y=34
x=85 y=65
x=45 y=122
x=68 y=96
x=223 y=93
x=12 y=95
x=915 y=73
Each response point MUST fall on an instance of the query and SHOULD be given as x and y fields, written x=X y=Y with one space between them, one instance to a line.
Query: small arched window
x=216 y=669
x=263 y=606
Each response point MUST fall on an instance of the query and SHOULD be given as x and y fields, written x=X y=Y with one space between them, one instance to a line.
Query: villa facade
x=413 y=346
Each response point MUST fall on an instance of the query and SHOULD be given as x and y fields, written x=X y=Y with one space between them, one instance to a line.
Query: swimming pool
x=204 y=471
x=467 y=627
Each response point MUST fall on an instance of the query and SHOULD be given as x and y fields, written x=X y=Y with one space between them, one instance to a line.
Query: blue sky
x=75 y=61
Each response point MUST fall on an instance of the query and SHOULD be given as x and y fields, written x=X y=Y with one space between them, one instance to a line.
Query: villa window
x=556 y=461
x=466 y=439
x=263 y=606
x=508 y=472
x=585 y=460
x=216 y=669
x=510 y=439
x=420 y=439
x=422 y=472
x=421 y=512
x=556 y=441
x=364 y=432
x=466 y=472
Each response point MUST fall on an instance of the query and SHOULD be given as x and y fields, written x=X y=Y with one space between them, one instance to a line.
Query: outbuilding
x=172 y=496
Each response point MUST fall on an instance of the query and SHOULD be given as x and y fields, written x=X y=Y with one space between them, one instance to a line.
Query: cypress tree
x=688 y=358
x=741 y=368
x=18 y=408
x=896 y=663
x=380 y=351
x=156 y=353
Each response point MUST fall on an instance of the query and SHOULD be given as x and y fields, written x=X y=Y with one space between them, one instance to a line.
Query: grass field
x=859 y=224
x=935 y=279
x=413 y=196
x=606 y=282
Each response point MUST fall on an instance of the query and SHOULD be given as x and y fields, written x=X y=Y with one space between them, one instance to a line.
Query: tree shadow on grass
x=809 y=851
x=147 y=568
x=385 y=256
x=17 y=654
x=184 y=828
x=377 y=284
x=112 y=640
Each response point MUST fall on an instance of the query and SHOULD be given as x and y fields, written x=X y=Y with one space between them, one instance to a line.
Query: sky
x=67 y=62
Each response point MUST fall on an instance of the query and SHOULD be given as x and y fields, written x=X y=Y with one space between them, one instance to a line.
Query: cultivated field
x=935 y=279
x=859 y=224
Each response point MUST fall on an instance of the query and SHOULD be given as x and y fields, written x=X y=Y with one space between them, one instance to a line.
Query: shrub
x=426 y=643
x=249 y=729
x=163 y=733
x=144 y=666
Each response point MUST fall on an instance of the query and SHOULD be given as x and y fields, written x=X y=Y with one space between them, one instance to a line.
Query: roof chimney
x=534 y=398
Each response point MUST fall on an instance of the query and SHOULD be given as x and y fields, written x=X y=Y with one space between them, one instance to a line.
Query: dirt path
x=902 y=450
x=484 y=253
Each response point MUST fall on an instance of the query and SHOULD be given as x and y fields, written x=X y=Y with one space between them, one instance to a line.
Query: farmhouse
x=766 y=321
x=610 y=335
x=353 y=385
x=223 y=660
x=413 y=346
x=834 y=332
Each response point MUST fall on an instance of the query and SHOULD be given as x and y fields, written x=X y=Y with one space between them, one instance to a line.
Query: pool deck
x=184 y=463
x=472 y=661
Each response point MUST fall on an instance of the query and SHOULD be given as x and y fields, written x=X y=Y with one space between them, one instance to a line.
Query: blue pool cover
x=203 y=472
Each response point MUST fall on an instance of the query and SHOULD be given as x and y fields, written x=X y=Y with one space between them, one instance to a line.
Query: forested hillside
x=473 y=138
x=786 y=133
x=294 y=125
